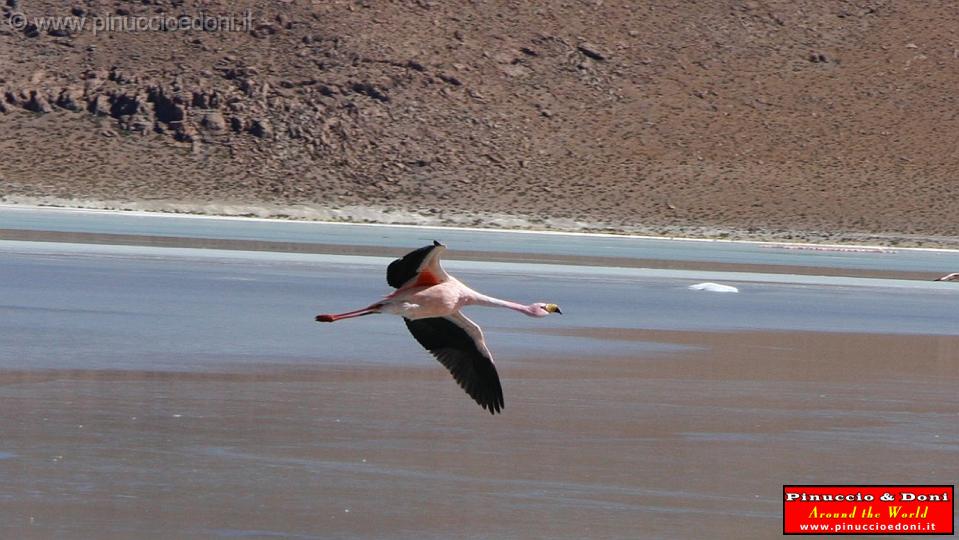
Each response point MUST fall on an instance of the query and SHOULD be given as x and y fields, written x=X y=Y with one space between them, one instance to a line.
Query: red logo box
x=869 y=510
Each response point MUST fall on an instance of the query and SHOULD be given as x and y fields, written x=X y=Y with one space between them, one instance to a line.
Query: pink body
x=439 y=300
x=444 y=299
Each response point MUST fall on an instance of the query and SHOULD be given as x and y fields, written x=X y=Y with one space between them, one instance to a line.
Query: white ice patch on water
x=713 y=287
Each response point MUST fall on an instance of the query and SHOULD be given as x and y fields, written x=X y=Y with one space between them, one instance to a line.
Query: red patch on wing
x=426 y=279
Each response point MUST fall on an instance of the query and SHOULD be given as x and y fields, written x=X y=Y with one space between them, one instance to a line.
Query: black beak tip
x=558 y=311
x=438 y=244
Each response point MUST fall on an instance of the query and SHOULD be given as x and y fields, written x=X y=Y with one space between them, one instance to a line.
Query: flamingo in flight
x=430 y=302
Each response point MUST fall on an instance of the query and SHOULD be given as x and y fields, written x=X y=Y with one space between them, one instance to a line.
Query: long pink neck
x=483 y=300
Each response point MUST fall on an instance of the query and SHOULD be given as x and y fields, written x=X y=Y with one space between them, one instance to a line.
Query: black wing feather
x=404 y=269
x=455 y=349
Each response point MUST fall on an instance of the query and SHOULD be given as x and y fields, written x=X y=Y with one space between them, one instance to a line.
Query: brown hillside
x=760 y=116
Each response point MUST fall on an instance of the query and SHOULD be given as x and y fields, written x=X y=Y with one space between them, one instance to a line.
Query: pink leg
x=332 y=317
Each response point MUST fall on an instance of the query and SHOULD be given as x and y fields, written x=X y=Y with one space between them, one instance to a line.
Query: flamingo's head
x=543 y=310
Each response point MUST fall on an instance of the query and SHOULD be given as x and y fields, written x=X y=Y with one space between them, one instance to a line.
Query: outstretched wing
x=457 y=343
x=418 y=268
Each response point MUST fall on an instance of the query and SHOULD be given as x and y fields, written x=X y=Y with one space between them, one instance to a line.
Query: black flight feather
x=455 y=349
x=404 y=269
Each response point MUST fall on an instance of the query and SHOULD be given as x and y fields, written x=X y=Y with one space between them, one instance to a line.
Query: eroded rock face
x=167 y=106
x=70 y=99
x=262 y=128
x=37 y=103
x=99 y=105
x=214 y=121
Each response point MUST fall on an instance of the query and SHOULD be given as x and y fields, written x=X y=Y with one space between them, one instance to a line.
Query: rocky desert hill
x=795 y=119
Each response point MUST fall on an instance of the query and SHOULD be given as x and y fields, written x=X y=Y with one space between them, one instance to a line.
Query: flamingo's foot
x=324 y=318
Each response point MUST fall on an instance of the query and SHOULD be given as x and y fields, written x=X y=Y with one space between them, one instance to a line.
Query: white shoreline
x=196 y=212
